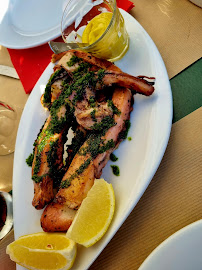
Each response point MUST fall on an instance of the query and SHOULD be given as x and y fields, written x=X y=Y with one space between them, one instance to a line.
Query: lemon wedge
x=94 y=215
x=43 y=251
x=96 y=27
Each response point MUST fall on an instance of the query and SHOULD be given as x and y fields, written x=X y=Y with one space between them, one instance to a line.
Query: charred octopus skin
x=94 y=98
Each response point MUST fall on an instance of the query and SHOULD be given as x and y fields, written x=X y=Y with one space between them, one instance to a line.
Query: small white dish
x=197 y=2
x=181 y=251
x=26 y=24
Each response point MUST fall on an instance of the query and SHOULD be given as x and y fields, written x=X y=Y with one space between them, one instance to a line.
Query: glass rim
x=105 y=32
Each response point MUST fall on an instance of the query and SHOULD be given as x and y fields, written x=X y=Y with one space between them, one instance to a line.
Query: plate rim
x=169 y=240
x=32 y=41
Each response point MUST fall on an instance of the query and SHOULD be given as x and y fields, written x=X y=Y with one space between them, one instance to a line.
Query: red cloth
x=30 y=63
x=125 y=4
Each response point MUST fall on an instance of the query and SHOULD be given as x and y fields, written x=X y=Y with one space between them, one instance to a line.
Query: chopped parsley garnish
x=66 y=183
x=37 y=164
x=100 y=74
x=30 y=159
x=52 y=156
x=113 y=107
x=47 y=93
x=115 y=170
x=96 y=145
x=113 y=157
x=62 y=117
x=74 y=59
x=123 y=134
x=82 y=69
x=77 y=141
x=104 y=125
x=93 y=115
x=38 y=179
x=103 y=148
x=92 y=102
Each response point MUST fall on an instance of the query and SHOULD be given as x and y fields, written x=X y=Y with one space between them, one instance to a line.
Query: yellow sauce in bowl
x=106 y=36
x=96 y=27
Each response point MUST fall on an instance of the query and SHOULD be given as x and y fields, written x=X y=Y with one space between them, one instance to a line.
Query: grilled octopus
x=94 y=98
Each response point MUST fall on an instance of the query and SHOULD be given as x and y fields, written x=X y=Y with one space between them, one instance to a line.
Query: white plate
x=138 y=159
x=26 y=24
x=181 y=251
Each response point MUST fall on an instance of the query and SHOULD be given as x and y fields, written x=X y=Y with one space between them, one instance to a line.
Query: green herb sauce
x=113 y=157
x=30 y=159
x=77 y=141
x=47 y=93
x=52 y=156
x=82 y=78
x=106 y=123
x=74 y=59
x=123 y=134
x=38 y=179
x=93 y=115
x=82 y=69
x=115 y=170
x=103 y=148
x=37 y=164
x=92 y=102
x=66 y=183
x=113 y=107
x=92 y=147
x=100 y=74
x=83 y=166
x=96 y=145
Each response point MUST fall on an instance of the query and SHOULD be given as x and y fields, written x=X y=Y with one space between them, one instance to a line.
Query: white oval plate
x=26 y=24
x=181 y=251
x=139 y=158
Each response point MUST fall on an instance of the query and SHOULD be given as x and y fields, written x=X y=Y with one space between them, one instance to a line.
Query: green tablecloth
x=187 y=90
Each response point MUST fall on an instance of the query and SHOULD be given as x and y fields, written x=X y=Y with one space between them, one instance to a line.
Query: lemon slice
x=43 y=251
x=96 y=27
x=94 y=215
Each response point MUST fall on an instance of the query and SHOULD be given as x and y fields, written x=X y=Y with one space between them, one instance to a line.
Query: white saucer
x=181 y=251
x=26 y=24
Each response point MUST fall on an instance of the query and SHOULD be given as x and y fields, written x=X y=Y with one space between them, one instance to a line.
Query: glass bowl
x=103 y=35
